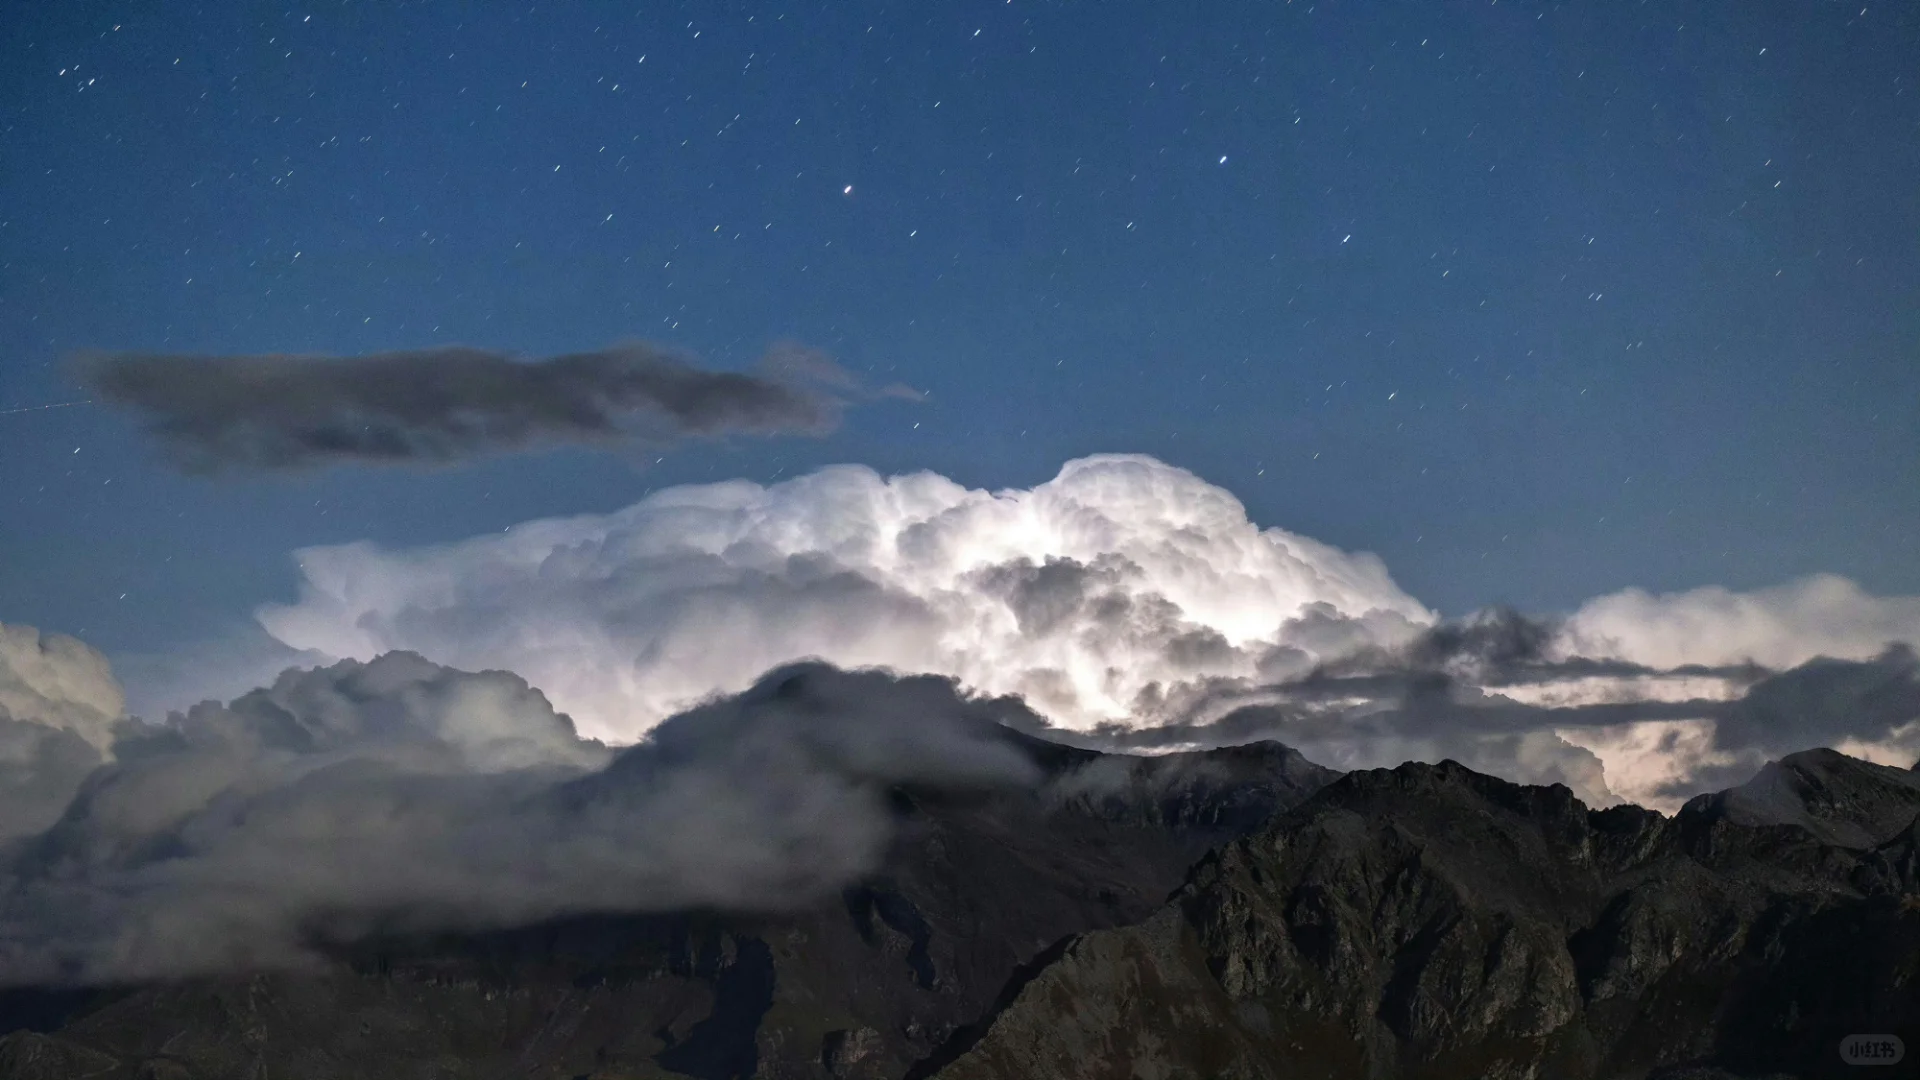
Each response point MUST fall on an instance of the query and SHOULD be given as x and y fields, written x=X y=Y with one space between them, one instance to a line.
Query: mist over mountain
x=398 y=869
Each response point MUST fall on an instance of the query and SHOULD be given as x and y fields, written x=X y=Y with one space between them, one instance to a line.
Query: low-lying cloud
x=447 y=405
x=1128 y=600
x=399 y=795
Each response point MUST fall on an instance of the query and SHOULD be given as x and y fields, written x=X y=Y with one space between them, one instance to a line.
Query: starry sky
x=1537 y=301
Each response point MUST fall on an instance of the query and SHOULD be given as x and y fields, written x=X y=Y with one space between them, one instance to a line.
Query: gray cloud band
x=448 y=405
x=1441 y=696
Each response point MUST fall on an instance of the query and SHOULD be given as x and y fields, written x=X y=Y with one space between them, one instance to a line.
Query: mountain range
x=1237 y=912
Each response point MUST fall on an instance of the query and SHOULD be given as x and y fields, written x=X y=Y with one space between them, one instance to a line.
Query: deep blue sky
x=1537 y=301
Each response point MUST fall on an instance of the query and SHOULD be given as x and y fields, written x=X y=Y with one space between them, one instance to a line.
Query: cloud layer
x=400 y=795
x=444 y=405
x=1125 y=598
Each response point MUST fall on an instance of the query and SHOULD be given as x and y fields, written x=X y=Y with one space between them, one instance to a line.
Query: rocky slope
x=1431 y=922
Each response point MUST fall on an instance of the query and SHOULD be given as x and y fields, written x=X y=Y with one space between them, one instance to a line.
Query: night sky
x=1535 y=301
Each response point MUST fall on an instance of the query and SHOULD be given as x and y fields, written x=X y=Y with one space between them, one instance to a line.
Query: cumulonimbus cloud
x=1126 y=599
x=1102 y=596
x=445 y=405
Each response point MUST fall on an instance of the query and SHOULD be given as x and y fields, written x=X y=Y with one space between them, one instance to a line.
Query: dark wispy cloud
x=448 y=405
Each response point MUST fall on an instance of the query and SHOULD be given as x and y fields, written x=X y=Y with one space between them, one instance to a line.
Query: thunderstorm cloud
x=1136 y=604
x=1102 y=596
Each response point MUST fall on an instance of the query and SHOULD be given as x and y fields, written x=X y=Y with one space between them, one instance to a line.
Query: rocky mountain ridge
x=1234 y=913
x=1427 y=921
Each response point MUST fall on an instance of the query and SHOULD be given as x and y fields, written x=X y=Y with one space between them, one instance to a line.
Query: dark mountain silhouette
x=1428 y=921
x=1233 y=913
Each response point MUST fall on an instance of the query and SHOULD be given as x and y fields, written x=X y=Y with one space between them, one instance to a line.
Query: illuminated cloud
x=60 y=682
x=1109 y=594
x=59 y=707
x=1131 y=602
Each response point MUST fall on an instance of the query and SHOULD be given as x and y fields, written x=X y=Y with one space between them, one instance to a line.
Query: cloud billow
x=1103 y=595
x=60 y=709
x=448 y=405
x=402 y=796
x=1133 y=602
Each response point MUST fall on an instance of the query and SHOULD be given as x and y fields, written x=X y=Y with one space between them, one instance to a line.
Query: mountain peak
x=1841 y=800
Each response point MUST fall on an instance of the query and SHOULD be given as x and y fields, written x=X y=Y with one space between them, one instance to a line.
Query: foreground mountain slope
x=1427 y=921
